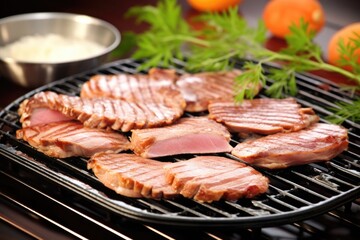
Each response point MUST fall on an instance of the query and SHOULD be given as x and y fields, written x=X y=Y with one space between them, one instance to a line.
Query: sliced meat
x=211 y=178
x=131 y=175
x=201 y=88
x=156 y=88
x=187 y=135
x=262 y=116
x=319 y=142
x=45 y=115
x=103 y=112
x=39 y=113
x=71 y=138
x=129 y=87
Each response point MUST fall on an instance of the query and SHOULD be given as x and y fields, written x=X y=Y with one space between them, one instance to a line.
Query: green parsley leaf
x=300 y=42
x=283 y=84
x=344 y=111
x=349 y=56
x=226 y=37
x=164 y=40
x=252 y=76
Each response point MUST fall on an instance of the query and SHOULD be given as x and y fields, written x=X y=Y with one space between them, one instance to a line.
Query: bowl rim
x=64 y=15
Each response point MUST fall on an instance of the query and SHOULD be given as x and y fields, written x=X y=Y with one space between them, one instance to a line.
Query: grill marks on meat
x=205 y=178
x=131 y=175
x=71 y=138
x=129 y=87
x=144 y=103
x=187 y=135
x=35 y=111
x=211 y=178
x=103 y=113
x=262 y=116
x=201 y=88
x=319 y=142
x=156 y=89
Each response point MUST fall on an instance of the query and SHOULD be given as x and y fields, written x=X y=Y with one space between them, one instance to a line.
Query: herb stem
x=227 y=36
x=185 y=38
x=273 y=56
x=270 y=57
x=218 y=59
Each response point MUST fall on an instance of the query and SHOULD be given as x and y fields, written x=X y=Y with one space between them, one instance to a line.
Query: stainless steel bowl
x=33 y=74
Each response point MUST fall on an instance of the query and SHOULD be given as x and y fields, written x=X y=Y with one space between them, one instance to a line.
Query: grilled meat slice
x=71 y=138
x=187 y=135
x=35 y=110
x=44 y=115
x=103 y=113
x=211 y=178
x=131 y=175
x=319 y=142
x=201 y=88
x=262 y=116
x=157 y=88
x=130 y=87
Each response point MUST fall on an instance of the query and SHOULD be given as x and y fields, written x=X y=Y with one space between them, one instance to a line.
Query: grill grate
x=295 y=194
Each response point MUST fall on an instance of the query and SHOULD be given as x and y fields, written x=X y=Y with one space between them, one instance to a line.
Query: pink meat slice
x=71 y=138
x=131 y=175
x=45 y=115
x=212 y=178
x=319 y=142
x=103 y=112
x=262 y=116
x=200 y=89
x=187 y=136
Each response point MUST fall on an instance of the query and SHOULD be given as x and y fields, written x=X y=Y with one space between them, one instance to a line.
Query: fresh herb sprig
x=349 y=57
x=345 y=111
x=227 y=36
x=349 y=54
x=166 y=36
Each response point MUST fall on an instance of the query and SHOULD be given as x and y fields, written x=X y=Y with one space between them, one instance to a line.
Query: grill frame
x=71 y=174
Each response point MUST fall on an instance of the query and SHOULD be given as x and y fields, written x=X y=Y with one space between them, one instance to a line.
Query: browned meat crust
x=131 y=175
x=319 y=142
x=263 y=115
x=211 y=178
x=205 y=179
x=130 y=87
x=104 y=112
x=71 y=138
x=201 y=88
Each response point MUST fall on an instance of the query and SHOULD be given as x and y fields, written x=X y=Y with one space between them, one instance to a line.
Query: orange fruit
x=213 y=5
x=279 y=15
x=346 y=33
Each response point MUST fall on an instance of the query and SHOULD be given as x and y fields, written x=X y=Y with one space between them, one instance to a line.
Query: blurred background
x=338 y=14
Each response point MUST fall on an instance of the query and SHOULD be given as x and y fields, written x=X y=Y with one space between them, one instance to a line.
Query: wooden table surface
x=338 y=14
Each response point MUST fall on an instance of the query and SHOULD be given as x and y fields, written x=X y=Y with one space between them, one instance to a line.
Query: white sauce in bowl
x=50 y=48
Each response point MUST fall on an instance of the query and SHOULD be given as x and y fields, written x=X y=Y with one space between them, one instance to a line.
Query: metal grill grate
x=295 y=194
